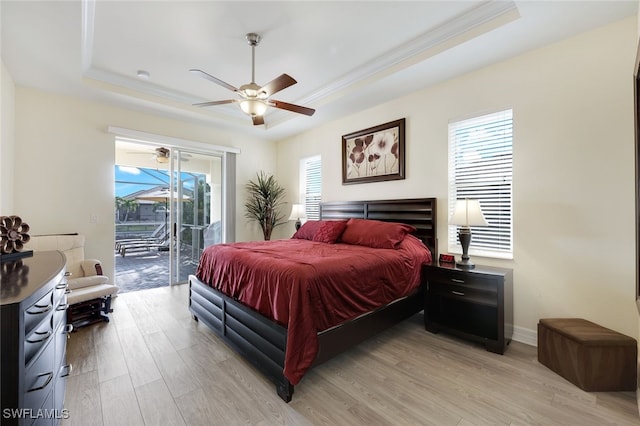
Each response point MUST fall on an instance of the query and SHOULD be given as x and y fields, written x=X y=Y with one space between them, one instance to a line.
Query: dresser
x=34 y=332
x=475 y=304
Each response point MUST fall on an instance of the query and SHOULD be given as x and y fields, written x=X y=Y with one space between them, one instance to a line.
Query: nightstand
x=475 y=304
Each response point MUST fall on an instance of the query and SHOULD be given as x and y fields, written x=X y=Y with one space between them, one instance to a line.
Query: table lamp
x=298 y=212
x=467 y=213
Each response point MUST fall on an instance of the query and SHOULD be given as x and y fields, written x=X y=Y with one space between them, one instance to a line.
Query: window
x=311 y=185
x=481 y=167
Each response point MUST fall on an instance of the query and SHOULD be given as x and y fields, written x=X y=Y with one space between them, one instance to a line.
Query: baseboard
x=525 y=335
x=530 y=337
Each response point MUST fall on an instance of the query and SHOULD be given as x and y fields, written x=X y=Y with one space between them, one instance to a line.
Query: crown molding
x=472 y=23
x=463 y=27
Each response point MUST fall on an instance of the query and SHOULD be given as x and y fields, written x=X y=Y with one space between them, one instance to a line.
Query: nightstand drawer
x=462 y=279
x=478 y=293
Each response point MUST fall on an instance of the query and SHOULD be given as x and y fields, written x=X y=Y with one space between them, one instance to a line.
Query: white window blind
x=481 y=168
x=311 y=185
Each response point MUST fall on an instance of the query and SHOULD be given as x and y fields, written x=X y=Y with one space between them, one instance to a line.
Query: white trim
x=525 y=335
x=170 y=142
x=140 y=86
x=457 y=249
x=453 y=32
x=229 y=197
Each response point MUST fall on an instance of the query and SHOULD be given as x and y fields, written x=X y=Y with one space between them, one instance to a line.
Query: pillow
x=329 y=231
x=375 y=233
x=307 y=230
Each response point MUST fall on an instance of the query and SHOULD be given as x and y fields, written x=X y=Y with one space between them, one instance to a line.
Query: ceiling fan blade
x=257 y=120
x=212 y=78
x=292 y=107
x=277 y=84
x=212 y=103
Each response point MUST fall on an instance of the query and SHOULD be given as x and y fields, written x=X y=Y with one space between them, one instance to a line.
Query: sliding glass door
x=169 y=206
x=197 y=203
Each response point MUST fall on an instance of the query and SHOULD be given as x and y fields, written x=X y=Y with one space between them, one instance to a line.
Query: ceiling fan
x=254 y=99
x=162 y=155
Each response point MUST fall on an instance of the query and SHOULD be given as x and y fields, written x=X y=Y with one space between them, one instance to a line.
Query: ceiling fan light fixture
x=256 y=99
x=162 y=155
x=253 y=107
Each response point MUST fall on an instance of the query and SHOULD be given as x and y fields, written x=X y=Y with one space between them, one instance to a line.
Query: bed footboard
x=259 y=340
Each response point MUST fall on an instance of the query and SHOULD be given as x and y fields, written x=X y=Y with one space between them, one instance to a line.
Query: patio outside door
x=195 y=210
x=169 y=206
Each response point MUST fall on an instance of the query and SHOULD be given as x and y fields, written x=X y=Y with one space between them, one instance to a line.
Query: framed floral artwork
x=375 y=154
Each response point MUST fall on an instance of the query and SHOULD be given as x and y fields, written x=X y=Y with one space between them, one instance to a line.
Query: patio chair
x=147 y=246
x=157 y=236
x=89 y=291
x=144 y=246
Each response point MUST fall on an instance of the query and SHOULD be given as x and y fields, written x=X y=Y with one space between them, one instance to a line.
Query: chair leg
x=89 y=312
x=106 y=306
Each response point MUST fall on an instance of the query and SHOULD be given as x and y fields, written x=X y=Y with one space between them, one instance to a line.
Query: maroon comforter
x=310 y=286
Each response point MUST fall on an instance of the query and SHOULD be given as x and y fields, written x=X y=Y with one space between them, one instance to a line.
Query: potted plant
x=264 y=199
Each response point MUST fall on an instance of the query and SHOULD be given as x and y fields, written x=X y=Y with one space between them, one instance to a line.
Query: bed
x=275 y=342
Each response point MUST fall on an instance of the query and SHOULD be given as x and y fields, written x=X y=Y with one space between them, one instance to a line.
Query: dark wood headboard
x=419 y=212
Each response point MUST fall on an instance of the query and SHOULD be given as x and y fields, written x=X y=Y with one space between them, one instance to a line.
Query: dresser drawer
x=59 y=291
x=472 y=294
x=37 y=312
x=37 y=339
x=60 y=313
x=62 y=334
x=39 y=378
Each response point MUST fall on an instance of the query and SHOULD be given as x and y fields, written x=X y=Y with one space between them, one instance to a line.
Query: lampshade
x=253 y=106
x=468 y=213
x=297 y=212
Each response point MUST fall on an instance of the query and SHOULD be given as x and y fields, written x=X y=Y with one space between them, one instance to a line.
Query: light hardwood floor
x=152 y=364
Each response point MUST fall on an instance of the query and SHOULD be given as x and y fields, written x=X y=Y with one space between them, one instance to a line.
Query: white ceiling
x=346 y=56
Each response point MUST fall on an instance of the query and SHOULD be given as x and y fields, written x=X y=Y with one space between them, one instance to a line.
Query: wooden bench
x=592 y=357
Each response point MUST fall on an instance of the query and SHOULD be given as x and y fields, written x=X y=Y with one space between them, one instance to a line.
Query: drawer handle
x=457 y=293
x=61 y=286
x=48 y=376
x=67 y=274
x=69 y=369
x=68 y=291
x=62 y=307
x=45 y=335
x=68 y=329
x=43 y=309
x=455 y=280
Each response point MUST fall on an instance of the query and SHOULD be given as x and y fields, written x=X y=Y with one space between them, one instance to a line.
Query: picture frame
x=375 y=154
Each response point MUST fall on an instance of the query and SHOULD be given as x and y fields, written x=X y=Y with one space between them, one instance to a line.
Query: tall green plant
x=264 y=199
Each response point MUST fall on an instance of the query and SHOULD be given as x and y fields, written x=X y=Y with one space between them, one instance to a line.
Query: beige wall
x=573 y=203
x=573 y=168
x=7 y=141
x=65 y=164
